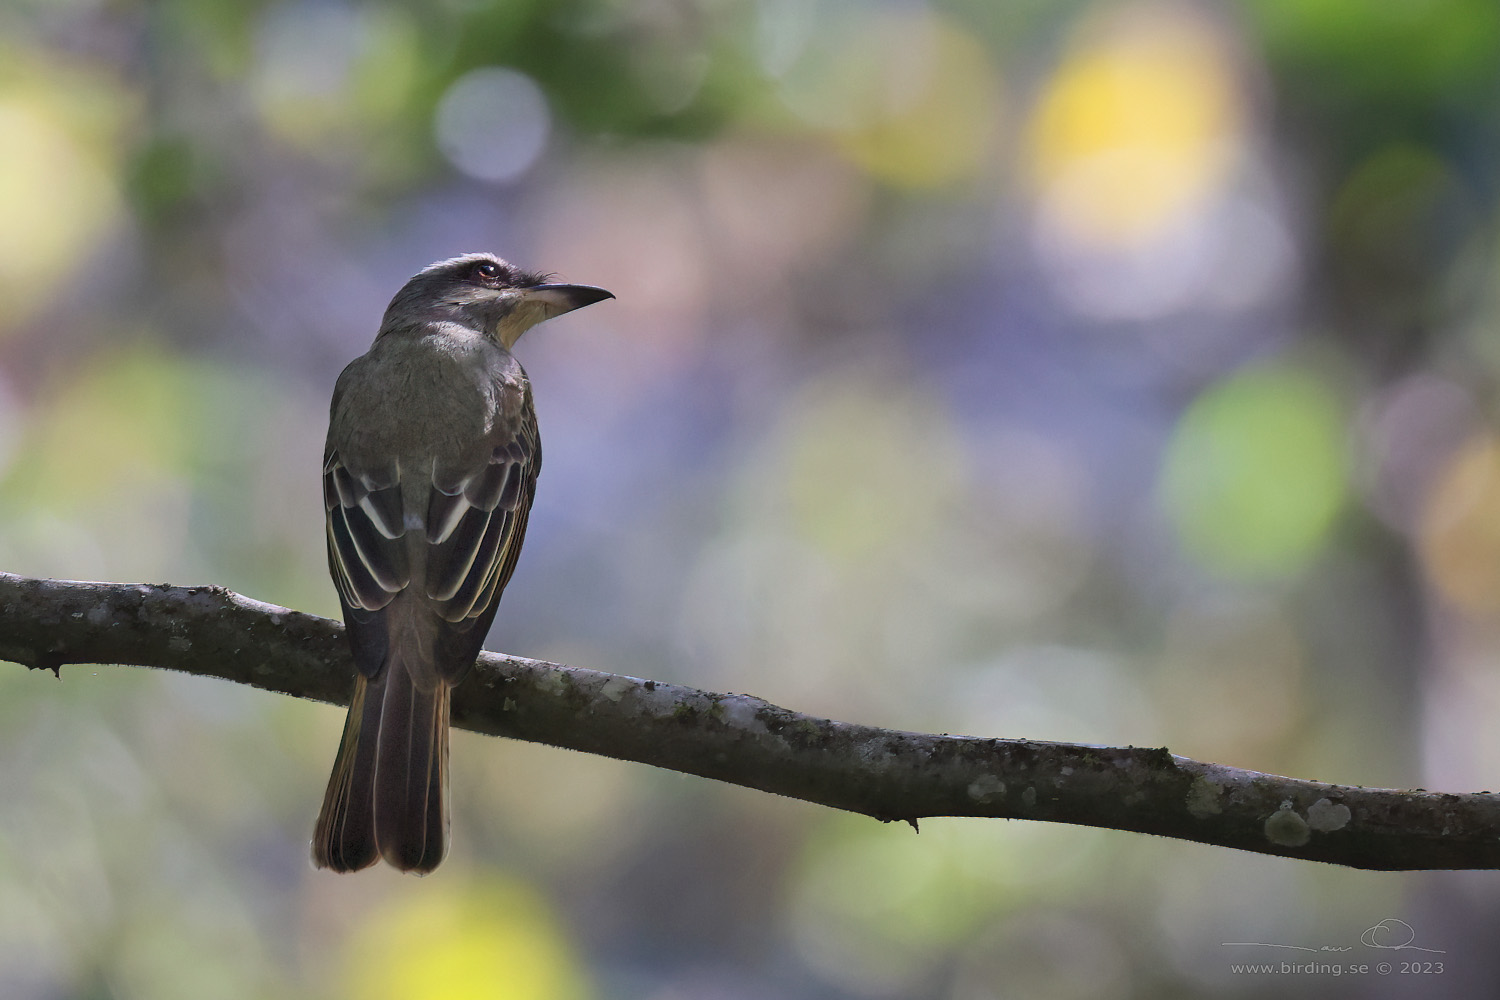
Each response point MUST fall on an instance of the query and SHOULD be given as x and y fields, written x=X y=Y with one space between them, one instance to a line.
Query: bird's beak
x=542 y=302
x=554 y=300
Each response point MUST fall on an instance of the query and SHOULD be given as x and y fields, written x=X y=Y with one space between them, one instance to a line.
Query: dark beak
x=554 y=300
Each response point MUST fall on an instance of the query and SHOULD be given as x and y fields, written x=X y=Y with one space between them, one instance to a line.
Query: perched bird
x=428 y=475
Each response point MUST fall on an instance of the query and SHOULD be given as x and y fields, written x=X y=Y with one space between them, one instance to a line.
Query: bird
x=429 y=472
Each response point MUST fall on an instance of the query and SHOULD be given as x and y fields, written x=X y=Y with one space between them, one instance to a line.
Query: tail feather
x=344 y=838
x=387 y=796
x=411 y=767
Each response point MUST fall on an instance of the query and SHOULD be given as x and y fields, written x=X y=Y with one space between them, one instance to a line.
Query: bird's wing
x=476 y=520
x=473 y=528
x=366 y=524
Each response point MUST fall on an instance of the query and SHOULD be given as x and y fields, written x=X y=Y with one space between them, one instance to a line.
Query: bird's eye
x=487 y=269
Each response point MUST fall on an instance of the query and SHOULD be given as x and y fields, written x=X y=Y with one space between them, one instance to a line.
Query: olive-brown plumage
x=428 y=476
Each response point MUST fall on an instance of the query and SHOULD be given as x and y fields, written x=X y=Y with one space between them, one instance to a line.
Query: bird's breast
x=425 y=401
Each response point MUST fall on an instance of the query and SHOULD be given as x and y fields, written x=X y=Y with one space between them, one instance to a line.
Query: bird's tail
x=388 y=794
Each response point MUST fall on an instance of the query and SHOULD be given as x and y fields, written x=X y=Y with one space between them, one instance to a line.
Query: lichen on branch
x=737 y=738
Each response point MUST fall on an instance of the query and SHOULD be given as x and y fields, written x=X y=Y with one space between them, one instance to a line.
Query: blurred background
x=1113 y=371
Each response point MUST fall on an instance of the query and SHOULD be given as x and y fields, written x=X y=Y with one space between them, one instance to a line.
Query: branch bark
x=737 y=738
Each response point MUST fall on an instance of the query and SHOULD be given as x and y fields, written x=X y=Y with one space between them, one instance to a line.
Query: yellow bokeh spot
x=907 y=96
x=933 y=120
x=119 y=426
x=491 y=940
x=58 y=197
x=1136 y=127
x=1460 y=528
x=112 y=460
x=877 y=908
x=326 y=72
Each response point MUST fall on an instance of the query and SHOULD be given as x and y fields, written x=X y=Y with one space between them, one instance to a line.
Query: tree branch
x=887 y=774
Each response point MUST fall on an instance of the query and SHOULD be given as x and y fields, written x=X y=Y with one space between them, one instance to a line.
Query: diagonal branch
x=884 y=773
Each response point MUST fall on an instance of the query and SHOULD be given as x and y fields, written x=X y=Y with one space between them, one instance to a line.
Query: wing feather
x=384 y=510
x=451 y=562
x=476 y=522
x=366 y=551
x=444 y=511
x=473 y=527
x=356 y=583
x=496 y=533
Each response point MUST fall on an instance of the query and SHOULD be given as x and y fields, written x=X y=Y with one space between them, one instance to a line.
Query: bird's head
x=487 y=294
